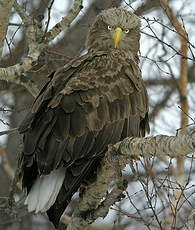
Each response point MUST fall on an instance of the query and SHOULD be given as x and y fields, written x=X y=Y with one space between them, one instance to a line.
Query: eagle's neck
x=113 y=53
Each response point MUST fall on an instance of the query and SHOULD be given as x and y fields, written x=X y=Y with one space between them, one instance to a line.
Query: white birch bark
x=5 y=12
x=116 y=159
x=16 y=73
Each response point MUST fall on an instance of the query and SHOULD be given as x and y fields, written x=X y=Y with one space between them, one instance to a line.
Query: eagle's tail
x=44 y=191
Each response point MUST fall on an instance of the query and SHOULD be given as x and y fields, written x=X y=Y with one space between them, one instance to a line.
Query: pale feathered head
x=115 y=28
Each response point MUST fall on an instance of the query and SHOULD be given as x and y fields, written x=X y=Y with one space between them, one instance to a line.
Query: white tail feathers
x=44 y=191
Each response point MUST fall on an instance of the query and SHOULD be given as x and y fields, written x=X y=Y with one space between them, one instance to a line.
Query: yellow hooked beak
x=117 y=36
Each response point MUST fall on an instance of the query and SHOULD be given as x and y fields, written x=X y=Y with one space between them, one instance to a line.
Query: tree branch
x=190 y=224
x=179 y=170
x=65 y=220
x=10 y=171
x=65 y=22
x=36 y=45
x=90 y=205
x=14 y=73
x=10 y=131
x=121 y=154
x=5 y=11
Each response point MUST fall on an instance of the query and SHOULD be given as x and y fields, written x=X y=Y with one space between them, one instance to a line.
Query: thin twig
x=10 y=131
x=65 y=22
x=49 y=15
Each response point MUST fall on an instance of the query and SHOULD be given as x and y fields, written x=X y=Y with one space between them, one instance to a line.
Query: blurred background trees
x=160 y=191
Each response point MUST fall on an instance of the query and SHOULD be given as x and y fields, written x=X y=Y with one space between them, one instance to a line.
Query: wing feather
x=61 y=129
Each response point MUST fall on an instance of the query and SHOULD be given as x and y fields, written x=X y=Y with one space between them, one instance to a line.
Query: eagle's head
x=115 y=28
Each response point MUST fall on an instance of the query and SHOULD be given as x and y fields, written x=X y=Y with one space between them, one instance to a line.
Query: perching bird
x=93 y=101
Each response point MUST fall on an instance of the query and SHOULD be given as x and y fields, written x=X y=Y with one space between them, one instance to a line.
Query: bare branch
x=190 y=224
x=21 y=13
x=161 y=104
x=179 y=170
x=10 y=171
x=149 y=4
x=121 y=154
x=5 y=11
x=10 y=131
x=14 y=74
x=65 y=22
x=49 y=15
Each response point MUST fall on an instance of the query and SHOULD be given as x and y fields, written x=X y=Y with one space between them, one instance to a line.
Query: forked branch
x=115 y=160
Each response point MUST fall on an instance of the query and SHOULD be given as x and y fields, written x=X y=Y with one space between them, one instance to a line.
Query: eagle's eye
x=109 y=27
x=126 y=31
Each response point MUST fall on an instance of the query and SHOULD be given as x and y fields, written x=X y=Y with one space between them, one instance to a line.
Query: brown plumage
x=93 y=101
